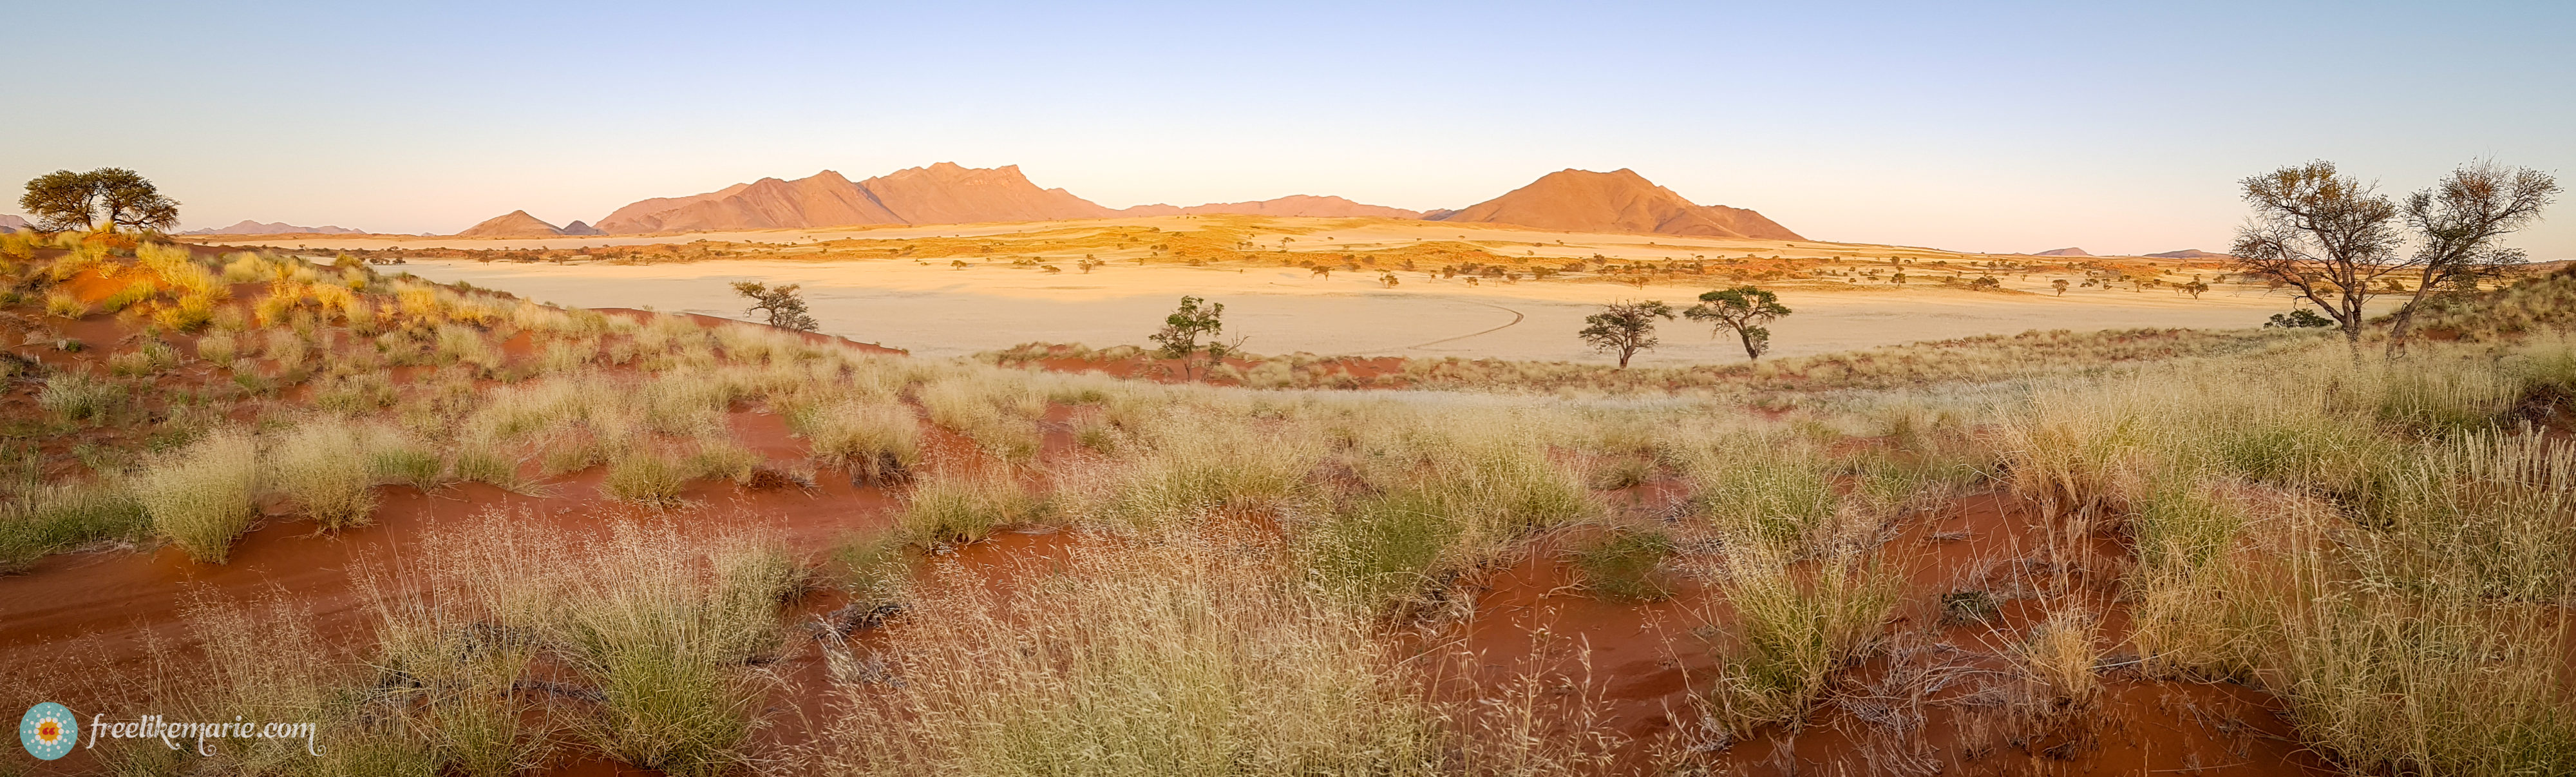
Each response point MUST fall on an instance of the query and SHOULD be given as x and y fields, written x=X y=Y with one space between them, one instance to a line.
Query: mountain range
x=946 y=193
x=249 y=227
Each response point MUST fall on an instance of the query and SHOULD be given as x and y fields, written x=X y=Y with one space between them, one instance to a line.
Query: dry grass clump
x=2061 y=653
x=996 y=410
x=1793 y=630
x=1187 y=657
x=2487 y=514
x=2430 y=682
x=641 y=642
x=1196 y=462
x=666 y=638
x=325 y=468
x=200 y=496
x=1438 y=503
x=878 y=440
x=955 y=509
x=79 y=396
x=1757 y=486
x=49 y=519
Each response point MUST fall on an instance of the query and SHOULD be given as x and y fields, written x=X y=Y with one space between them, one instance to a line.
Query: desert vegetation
x=575 y=537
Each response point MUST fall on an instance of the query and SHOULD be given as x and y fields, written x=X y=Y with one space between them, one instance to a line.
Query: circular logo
x=49 y=731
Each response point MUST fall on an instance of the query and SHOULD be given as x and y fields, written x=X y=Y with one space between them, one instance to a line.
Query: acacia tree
x=1744 y=310
x=2457 y=224
x=2337 y=243
x=1179 y=338
x=1624 y=328
x=785 y=307
x=101 y=199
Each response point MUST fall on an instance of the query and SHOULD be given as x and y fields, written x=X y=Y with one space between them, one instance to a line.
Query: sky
x=2004 y=127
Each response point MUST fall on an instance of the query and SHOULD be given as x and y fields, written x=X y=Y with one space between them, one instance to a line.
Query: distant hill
x=14 y=223
x=2189 y=253
x=1616 y=201
x=1291 y=205
x=943 y=193
x=2063 y=252
x=578 y=228
x=516 y=223
x=249 y=227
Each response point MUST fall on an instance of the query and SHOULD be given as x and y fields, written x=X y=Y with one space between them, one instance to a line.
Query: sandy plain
x=934 y=309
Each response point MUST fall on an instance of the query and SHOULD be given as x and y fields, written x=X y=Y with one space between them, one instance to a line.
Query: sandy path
x=938 y=311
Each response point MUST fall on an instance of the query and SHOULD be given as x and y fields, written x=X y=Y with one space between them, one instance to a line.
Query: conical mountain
x=516 y=223
x=1616 y=201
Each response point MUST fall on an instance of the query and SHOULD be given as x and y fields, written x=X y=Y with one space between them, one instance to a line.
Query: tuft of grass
x=78 y=396
x=1183 y=658
x=1794 y=631
x=1762 y=488
x=218 y=347
x=66 y=305
x=880 y=440
x=55 y=518
x=325 y=469
x=2061 y=653
x=955 y=509
x=200 y=497
x=666 y=641
x=647 y=477
x=1625 y=565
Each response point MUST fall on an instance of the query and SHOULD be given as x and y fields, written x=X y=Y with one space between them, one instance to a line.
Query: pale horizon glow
x=1979 y=127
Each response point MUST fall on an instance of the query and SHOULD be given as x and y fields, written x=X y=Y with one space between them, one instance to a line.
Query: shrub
x=200 y=497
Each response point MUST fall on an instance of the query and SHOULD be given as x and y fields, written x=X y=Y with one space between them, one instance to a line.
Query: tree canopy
x=1179 y=338
x=105 y=198
x=784 y=307
x=2337 y=242
x=1744 y=310
x=1624 y=328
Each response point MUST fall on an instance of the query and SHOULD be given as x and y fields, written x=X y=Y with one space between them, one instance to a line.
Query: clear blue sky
x=1998 y=127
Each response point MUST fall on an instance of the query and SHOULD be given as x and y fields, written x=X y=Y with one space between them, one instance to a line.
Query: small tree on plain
x=1744 y=310
x=1179 y=338
x=784 y=307
x=1624 y=328
x=2061 y=286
